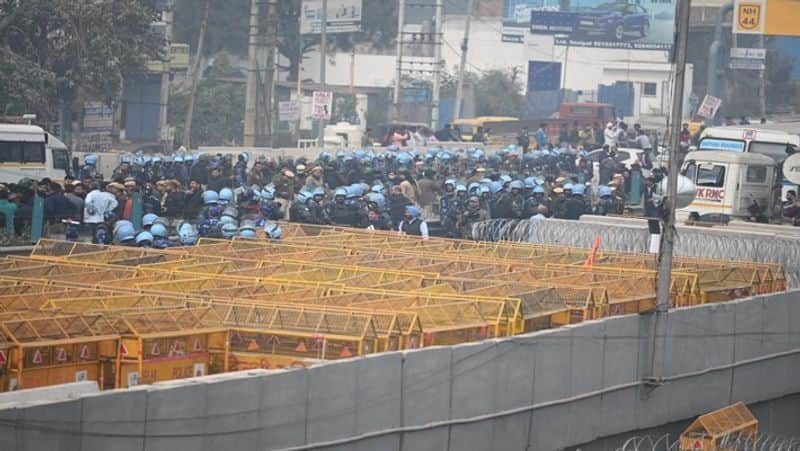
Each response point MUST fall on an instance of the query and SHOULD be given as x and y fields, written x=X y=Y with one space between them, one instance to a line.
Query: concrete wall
x=545 y=391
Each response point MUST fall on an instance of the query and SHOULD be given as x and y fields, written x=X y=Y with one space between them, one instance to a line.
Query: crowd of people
x=196 y=195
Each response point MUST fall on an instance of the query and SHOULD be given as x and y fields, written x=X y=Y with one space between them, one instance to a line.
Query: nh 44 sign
x=770 y=17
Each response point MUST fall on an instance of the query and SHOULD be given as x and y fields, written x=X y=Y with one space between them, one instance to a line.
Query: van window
x=60 y=159
x=756 y=174
x=711 y=175
x=690 y=171
x=21 y=152
x=774 y=150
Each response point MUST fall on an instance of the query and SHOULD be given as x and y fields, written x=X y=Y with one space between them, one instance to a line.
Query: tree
x=498 y=93
x=59 y=53
x=219 y=108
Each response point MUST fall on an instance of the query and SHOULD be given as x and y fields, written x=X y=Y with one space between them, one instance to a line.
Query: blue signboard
x=620 y=24
x=722 y=144
x=544 y=76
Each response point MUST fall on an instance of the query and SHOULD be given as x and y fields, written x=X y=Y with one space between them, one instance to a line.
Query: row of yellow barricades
x=124 y=316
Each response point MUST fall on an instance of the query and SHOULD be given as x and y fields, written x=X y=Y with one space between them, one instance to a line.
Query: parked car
x=614 y=20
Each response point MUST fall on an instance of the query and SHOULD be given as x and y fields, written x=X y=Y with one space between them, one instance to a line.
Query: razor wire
x=731 y=442
x=702 y=243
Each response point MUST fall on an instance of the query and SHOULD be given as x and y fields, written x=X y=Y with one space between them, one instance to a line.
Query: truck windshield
x=775 y=150
x=711 y=175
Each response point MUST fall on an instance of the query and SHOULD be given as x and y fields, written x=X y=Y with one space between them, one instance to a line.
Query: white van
x=729 y=182
x=773 y=143
x=29 y=151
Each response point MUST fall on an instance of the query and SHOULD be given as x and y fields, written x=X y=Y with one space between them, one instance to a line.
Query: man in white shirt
x=97 y=206
x=610 y=135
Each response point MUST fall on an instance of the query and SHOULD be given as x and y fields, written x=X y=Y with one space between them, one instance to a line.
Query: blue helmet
x=495 y=187
x=529 y=183
x=473 y=187
x=412 y=210
x=210 y=197
x=226 y=195
x=229 y=230
x=461 y=188
x=505 y=179
x=121 y=223
x=90 y=159
x=538 y=189
x=319 y=191
x=484 y=190
x=578 y=190
x=273 y=231
x=378 y=189
x=516 y=184
x=149 y=219
x=451 y=182
x=248 y=232
x=124 y=233
x=227 y=219
x=144 y=239
x=268 y=194
x=159 y=231
x=568 y=187
x=302 y=197
x=187 y=234
x=340 y=192
x=605 y=191
x=377 y=198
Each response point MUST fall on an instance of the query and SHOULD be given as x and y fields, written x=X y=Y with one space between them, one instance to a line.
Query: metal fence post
x=136 y=211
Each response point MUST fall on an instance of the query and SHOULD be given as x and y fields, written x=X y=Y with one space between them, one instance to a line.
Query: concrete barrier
x=549 y=390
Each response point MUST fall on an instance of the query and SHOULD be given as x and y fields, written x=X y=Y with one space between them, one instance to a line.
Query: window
x=756 y=174
x=21 y=152
x=711 y=176
x=649 y=89
x=774 y=150
x=690 y=171
x=60 y=159
x=33 y=153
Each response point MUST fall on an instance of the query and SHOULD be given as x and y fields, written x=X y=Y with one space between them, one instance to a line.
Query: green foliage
x=60 y=51
x=499 y=93
x=218 y=112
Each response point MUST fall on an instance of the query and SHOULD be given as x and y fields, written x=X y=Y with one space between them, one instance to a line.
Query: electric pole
x=165 y=70
x=762 y=82
x=251 y=92
x=187 y=126
x=437 y=66
x=401 y=14
x=269 y=79
x=323 y=56
x=463 y=65
x=668 y=204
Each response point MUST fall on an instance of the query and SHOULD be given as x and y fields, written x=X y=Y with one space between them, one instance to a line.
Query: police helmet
x=568 y=187
x=187 y=234
x=505 y=178
x=124 y=233
x=484 y=190
x=247 y=231
x=461 y=188
x=495 y=187
x=90 y=159
x=273 y=231
x=158 y=231
x=229 y=230
x=267 y=194
x=516 y=184
x=340 y=192
x=210 y=197
x=605 y=191
x=377 y=198
x=578 y=190
x=226 y=195
x=302 y=197
x=473 y=187
x=451 y=182
x=149 y=219
x=226 y=219
x=319 y=191
x=529 y=183
x=378 y=189
x=144 y=239
x=538 y=189
x=121 y=223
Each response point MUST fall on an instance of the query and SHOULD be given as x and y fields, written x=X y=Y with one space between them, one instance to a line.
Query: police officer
x=412 y=224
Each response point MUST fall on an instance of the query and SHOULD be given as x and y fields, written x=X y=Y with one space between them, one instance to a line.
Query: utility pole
x=668 y=205
x=251 y=91
x=463 y=66
x=437 y=67
x=269 y=79
x=401 y=17
x=762 y=82
x=165 y=70
x=323 y=57
x=187 y=126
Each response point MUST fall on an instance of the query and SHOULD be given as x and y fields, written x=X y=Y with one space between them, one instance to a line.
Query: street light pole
x=323 y=56
x=668 y=215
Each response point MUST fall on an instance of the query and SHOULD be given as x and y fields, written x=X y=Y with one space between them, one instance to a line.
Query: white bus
x=29 y=151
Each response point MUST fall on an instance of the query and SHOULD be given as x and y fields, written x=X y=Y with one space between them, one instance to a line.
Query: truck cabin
x=29 y=151
x=773 y=143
